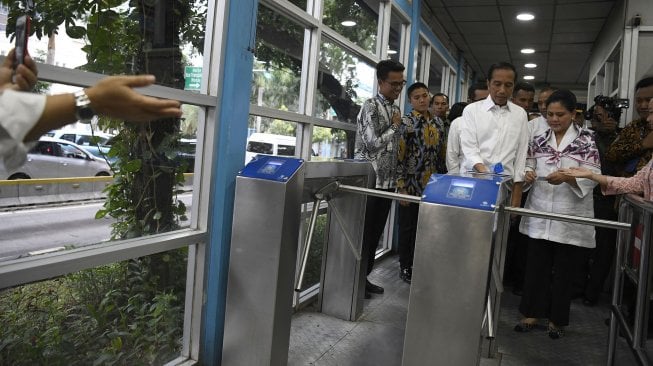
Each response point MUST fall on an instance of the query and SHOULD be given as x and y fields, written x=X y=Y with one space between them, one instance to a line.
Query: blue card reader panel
x=276 y=168
x=480 y=192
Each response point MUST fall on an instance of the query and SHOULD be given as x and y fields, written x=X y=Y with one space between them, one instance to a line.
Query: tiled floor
x=376 y=339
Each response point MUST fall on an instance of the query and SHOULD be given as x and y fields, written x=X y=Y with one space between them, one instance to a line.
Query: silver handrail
x=569 y=218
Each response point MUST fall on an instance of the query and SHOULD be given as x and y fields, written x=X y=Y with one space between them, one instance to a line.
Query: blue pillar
x=413 y=45
x=233 y=111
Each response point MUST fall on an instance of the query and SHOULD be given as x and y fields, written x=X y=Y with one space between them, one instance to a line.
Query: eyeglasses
x=396 y=84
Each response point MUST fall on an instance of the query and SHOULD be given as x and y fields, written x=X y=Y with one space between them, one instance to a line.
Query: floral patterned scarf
x=582 y=149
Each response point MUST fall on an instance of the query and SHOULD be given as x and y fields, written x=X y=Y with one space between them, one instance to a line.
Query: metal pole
x=377 y=193
x=307 y=243
x=569 y=218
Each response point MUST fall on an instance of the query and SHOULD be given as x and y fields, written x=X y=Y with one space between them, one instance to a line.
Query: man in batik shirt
x=376 y=141
x=634 y=146
x=421 y=153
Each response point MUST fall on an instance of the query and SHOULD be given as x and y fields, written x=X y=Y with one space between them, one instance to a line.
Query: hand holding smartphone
x=22 y=35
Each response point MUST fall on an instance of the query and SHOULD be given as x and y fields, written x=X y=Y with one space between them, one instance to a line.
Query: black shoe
x=368 y=295
x=372 y=288
x=517 y=291
x=406 y=274
x=589 y=302
x=556 y=333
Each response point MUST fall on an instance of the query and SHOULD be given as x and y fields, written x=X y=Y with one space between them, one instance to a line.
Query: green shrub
x=120 y=314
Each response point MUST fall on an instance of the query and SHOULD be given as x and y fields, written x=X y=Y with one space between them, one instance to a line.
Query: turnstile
x=270 y=191
x=456 y=233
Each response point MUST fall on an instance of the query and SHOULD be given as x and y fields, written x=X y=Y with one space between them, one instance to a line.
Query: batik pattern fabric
x=422 y=151
x=627 y=150
x=376 y=140
x=583 y=149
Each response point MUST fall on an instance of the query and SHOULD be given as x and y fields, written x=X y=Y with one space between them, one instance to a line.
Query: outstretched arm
x=113 y=96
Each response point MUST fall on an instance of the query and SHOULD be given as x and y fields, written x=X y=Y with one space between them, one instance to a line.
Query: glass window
x=344 y=83
x=154 y=37
x=394 y=43
x=270 y=136
x=332 y=143
x=357 y=20
x=278 y=63
x=114 y=314
x=435 y=73
x=100 y=215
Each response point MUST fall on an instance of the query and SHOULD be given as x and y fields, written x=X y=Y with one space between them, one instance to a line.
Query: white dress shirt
x=493 y=134
x=561 y=199
x=455 y=157
x=19 y=112
x=537 y=126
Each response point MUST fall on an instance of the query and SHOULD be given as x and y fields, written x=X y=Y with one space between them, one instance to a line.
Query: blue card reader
x=464 y=190
x=268 y=167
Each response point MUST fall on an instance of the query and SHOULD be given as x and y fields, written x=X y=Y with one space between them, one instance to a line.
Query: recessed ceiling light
x=530 y=66
x=525 y=17
x=348 y=23
x=527 y=50
x=529 y=77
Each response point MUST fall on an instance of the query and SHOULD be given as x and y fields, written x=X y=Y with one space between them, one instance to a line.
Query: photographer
x=25 y=117
x=634 y=146
x=600 y=258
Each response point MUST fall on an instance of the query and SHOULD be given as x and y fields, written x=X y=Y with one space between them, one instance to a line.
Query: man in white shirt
x=495 y=130
x=538 y=124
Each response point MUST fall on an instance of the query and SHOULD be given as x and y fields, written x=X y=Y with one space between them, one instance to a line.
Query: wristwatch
x=83 y=110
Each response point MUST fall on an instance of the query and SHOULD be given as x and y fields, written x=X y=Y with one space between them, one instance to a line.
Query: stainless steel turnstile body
x=264 y=245
x=449 y=291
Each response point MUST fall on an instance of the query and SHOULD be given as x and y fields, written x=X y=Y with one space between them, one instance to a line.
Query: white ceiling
x=486 y=32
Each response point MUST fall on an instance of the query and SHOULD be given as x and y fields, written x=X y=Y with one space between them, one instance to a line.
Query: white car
x=56 y=158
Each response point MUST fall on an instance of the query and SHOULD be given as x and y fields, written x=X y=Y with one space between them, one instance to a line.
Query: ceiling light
x=529 y=77
x=348 y=23
x=525 y=17
x=391 y=52
x=527 y=50
x=530 y=66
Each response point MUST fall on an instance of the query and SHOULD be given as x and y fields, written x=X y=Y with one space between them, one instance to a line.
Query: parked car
x=269 y=144
x=81 y=137
x=56 y=158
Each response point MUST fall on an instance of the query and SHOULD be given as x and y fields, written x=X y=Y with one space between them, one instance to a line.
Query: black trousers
x=407 y=231
x=516 y=252
x=376 y=214
x=602 y=257
x=547 y=282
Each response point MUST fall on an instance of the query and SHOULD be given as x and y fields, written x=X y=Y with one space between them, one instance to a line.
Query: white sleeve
x=519 y=169
x=453 y=147
x=19 y=112
x=468 y=141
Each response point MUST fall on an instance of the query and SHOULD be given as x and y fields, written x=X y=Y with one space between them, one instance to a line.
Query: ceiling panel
x=578 y=26
x=573 y=37
x=474 y=14
x=583 y=10
x=468 y=2
x=531 y=28
x=527 y=2
x=474 y=39
x=541 y=12
x=486 y=31
x=521 y=40
x=481 y=28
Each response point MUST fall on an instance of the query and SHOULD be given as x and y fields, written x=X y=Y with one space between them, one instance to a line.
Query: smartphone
x=22 y=35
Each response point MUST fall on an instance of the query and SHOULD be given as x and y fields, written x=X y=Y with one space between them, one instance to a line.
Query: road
x=26 y=231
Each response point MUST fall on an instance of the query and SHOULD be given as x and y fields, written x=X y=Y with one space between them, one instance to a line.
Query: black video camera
x=611 y=105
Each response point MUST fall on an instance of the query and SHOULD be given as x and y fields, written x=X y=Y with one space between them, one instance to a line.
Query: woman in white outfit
x=555 y=250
